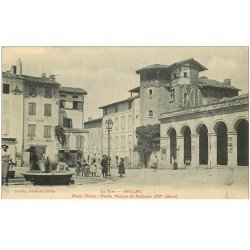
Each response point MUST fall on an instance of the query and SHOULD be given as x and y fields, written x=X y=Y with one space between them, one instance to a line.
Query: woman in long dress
x=121 y=168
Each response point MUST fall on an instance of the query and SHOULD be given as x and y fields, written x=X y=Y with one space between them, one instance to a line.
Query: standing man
x=155 y=162
x=5 y=164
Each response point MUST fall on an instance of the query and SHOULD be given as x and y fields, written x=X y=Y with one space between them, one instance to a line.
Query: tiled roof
x=136 y=89
x=39 y=79
x=94 y=120
x=72 y=90
x=209 y=83
x=30 y=78
x=125 y=100
x=162 y=66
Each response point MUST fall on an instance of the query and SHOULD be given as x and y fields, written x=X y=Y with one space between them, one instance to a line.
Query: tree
x=148 y=141
x=60 y=135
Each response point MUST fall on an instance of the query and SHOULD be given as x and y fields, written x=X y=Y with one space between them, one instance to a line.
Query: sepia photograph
x=125 y=122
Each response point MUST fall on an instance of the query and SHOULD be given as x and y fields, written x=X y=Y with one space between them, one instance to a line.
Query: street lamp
x=109 y=125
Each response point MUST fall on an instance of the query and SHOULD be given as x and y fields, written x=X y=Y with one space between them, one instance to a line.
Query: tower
x=168 y=88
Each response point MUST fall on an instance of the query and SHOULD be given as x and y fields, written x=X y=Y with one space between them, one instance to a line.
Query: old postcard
x=125 y=122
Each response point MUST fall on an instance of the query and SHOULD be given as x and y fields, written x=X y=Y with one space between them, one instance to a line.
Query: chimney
x=13 y=70
x=52 y=78
x=19 y=67
x=227 y=81
x=43 y=75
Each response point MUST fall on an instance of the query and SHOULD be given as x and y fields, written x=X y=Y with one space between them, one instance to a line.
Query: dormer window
x=185 y=74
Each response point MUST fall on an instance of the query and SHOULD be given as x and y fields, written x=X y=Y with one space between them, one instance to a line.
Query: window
x=33 y=90
x=184 y=98
x=175 y=75
x=62 y=103
x=123 y=122
x=31 y=131
x=48 y=91
x=67 y=123
x=123 y=141
x=116 y=123
x=5 y=107
x=47 y=132
x=130 y=140
x=75 y=105
x=67 y=141
x=75 y=96
x=47 y=109
x=130 y=121
x=150 y=113
x=116 y=142
x=32 y=108
x=137 y=116
x=172 y=95
x=6 y=88
x=185 y=74
x=105 y=111
x=150 y=92
x=63 y=96
x=79 y=141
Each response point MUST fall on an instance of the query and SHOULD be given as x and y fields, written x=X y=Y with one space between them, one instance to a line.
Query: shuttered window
x=47 y=109
x=31 y=130
x=32 y=108
x=47 y=132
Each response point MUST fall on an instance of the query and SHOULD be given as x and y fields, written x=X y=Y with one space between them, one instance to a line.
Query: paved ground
x=220 y=182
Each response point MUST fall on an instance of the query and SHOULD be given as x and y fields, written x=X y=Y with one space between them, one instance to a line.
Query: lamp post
x=109 y=125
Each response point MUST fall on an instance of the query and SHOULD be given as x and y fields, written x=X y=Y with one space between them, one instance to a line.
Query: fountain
x=38 y=177
x=48 y=176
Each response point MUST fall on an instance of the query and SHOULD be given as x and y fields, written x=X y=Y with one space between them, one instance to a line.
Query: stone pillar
x=168 y=151
x=194 y=150
x=180 y=150
x=212 y=149
x=232 y=148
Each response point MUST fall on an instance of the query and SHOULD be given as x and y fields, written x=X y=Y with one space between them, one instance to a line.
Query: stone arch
x=171 y=132
x=186 y=132
x=202 y=130
x=221 y=129
x=241 y=127
x=237 y=121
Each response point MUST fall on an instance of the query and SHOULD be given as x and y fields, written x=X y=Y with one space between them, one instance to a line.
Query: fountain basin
x=53 y=178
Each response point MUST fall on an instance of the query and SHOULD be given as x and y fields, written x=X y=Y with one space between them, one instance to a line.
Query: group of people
x=90 y=168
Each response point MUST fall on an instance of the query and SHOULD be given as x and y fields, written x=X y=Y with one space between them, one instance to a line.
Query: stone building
x=177 y=87
x=71 y=118
x=209 y=135
x=95 y=138
x=30 y=114
x=125 y=115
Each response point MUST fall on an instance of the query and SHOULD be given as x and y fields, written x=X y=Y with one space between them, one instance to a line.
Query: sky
x=107 y=73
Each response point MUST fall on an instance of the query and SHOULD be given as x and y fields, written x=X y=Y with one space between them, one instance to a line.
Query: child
x=93 y=168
